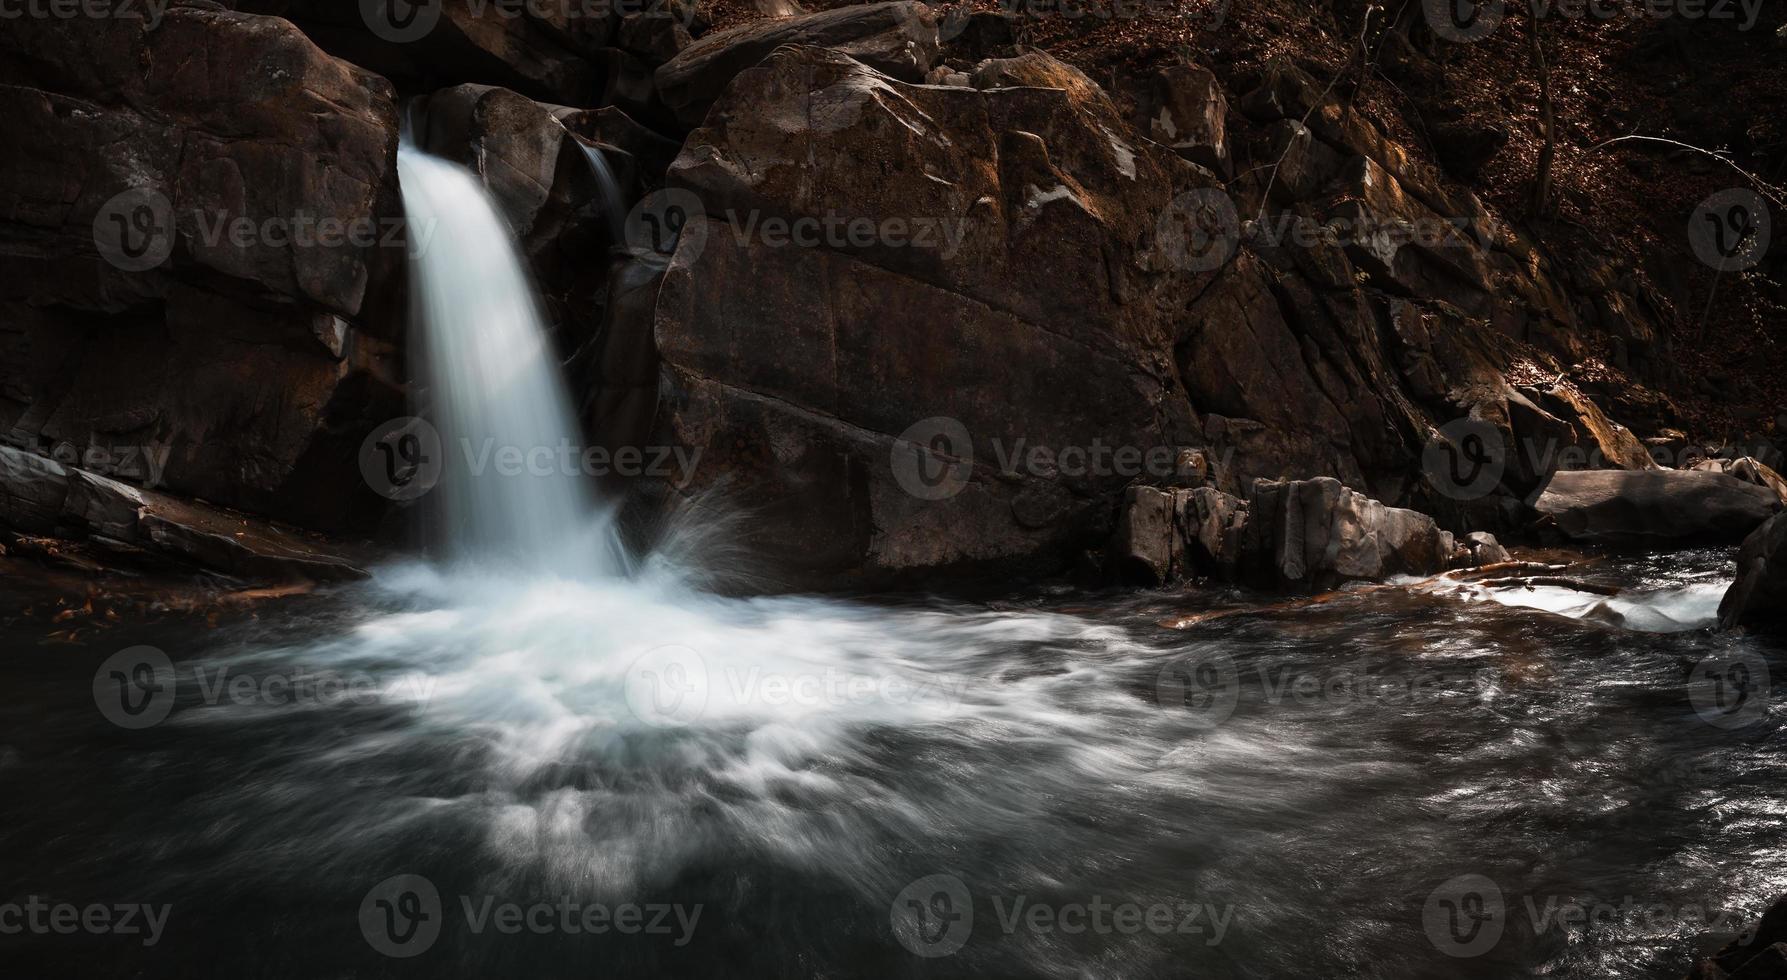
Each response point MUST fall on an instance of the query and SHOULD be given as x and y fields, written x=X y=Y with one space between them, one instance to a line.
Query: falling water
x=510 y=487
x=612 y=204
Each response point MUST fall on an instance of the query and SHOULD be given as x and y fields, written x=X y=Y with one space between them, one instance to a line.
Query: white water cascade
x=510 y=488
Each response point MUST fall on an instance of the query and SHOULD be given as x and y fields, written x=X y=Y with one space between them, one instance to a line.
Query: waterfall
x=511 y=487
x=611 y=202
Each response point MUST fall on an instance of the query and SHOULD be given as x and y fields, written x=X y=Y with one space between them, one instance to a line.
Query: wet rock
x=1759 y=595
x=1308 y=535
x=993 y=319
x=1760 y=954
x=1654 y=507
x=1147 y=548
x=41 y=496
x=1212 y=523
x=1749 y=470
x=233 y=332
x=1481 y=548
x=898 y=39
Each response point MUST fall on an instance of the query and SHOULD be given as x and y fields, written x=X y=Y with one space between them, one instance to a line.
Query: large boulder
x=969 y=310
x=898 y=39
x=202 y=235
x=1654 y=507
x=1304 y=535
x=1759 y=595
x=40 y=496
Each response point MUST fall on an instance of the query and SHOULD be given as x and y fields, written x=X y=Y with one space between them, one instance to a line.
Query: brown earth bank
x=946 y=287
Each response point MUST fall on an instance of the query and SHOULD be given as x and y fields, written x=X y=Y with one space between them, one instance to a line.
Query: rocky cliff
x=928 y=288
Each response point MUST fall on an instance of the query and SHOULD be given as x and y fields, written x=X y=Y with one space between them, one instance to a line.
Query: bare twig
x=1773 y=193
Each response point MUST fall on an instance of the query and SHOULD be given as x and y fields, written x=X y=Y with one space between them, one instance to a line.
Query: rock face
x=1759 y=596
x=1655 y=508
x=898 y=39
x=956 y=298
x=917 y=332
x=196 y=234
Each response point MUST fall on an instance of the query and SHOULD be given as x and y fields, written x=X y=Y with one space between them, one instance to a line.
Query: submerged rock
x=1655 y=507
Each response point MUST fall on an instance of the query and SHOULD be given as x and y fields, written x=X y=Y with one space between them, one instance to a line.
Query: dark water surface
x=1412 y=781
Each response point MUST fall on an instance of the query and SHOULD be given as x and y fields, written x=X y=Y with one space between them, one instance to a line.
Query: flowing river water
x=774 y=783
x=531 y=758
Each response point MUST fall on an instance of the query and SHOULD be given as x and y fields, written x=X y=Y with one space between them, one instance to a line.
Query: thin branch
x=1773 y=193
